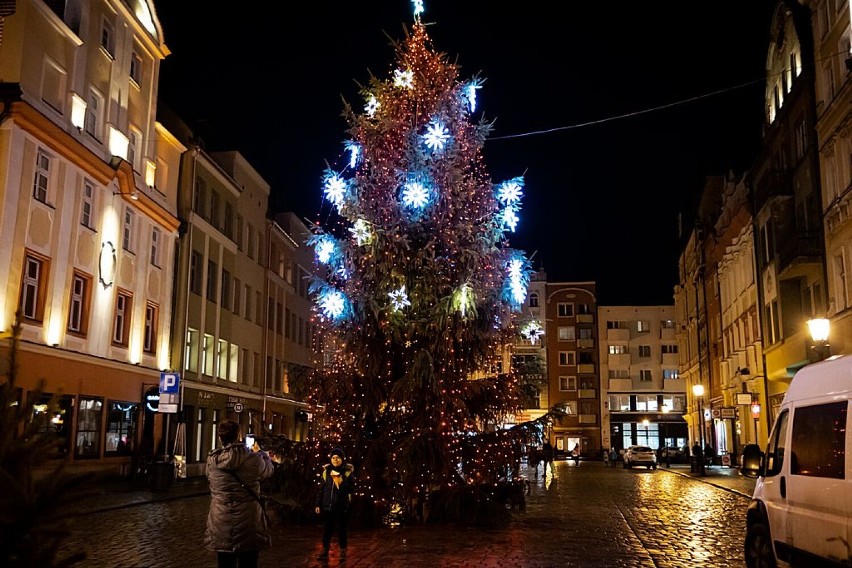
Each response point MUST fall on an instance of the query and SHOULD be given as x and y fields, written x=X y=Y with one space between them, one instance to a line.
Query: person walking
x=613 y=456
x=333 y=500
x=237 y=527
x=575 y=453
x=709 y=454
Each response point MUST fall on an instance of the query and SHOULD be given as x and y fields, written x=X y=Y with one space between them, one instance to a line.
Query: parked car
x=640 y=455
x=801 y=513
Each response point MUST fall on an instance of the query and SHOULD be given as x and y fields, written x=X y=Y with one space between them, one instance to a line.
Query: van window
x=775 y=447
x=817 y=448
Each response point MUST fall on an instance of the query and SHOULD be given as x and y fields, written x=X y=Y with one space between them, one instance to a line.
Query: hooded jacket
x=332 y=497
x=236 y=521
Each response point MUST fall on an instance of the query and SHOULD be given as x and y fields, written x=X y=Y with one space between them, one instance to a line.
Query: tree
x=37 y=491
x=420 y=291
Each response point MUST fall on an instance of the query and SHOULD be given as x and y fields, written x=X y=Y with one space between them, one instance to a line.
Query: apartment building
x=572 y=365
x=88 y=217
x=530 y=348
x=642 y=395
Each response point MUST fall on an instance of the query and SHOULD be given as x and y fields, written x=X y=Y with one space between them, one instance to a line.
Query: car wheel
x=758 y=547
x=654 y=466
x=624 y=464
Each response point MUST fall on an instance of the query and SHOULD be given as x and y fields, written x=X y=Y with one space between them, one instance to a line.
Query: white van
x=802 y=505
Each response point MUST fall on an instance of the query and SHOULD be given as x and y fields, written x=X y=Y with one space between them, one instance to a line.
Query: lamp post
x=818 y=328
x=645 y=424
x=755 y=413
x=666 y=408
x=698 y=393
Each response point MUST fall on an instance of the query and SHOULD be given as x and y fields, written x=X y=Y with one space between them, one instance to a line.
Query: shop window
x=89 y=427
x=122 y=419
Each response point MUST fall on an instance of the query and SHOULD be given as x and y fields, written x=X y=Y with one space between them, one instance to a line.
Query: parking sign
x=169 y=383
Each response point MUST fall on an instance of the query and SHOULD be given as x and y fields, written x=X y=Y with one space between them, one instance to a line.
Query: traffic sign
x=169 y=383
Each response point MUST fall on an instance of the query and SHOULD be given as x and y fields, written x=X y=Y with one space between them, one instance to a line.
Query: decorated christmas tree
x=421 y=290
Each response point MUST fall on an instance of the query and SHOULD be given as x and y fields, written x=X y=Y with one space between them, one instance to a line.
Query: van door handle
x=783 y=487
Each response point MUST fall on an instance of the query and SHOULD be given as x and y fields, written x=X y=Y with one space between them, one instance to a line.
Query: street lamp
x=645 y=424
x=818 y=328
x=698 y=393
x=666 y=408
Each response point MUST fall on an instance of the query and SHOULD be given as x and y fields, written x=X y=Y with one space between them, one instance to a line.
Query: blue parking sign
x=169 y=383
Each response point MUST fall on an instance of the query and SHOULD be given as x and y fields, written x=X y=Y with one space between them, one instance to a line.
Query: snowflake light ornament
x=371 y=106
x=403 y=79
x=334 y=187
x=361 y=232
x=532 y=331
x=333 y=303
x=325 y=248
x=510 y=218
x=354 y=150
x=517 y=279
x=415 y=195
x=469 y=93
x=436 y=136
x=399 y=299
x=418 y=7
x=510 y=192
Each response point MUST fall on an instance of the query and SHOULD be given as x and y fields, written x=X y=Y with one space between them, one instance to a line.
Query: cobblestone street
x=589 y=516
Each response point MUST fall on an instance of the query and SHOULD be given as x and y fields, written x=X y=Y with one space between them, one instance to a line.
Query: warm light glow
x=818 y=329
x=150 y=173
x=118 y=143
x=665 y=408
x=698 y=390
x=646 y=423
x=78 y=111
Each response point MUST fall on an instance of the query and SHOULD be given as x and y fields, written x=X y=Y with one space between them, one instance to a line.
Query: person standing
x=333 y=500
x=547 y=454
x=575 y=453
x=613 y=456
x=237 y=528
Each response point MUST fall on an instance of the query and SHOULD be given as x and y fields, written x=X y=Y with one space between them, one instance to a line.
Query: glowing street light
x=819 y=328
x=666 y=409
x=698 y=393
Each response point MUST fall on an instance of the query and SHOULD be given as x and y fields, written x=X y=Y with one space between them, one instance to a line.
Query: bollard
x=162 y=475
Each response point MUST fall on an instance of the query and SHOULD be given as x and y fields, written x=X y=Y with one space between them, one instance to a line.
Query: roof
x=830 y=377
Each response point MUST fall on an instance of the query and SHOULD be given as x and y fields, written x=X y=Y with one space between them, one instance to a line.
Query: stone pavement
x=586 y=517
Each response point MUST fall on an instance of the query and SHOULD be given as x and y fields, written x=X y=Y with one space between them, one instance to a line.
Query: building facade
x=88 y=216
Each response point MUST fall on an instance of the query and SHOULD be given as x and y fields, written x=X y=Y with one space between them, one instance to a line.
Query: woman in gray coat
x=237 y=528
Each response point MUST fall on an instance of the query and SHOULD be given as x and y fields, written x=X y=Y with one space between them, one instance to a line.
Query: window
x=566 y=358
x=108 y=38
x=214 y=209
x=618 y=374
x=566 y=333
x=121 y=428
x=89 y=427
x=584 y=309
x=668 y=348
x=200 y=204
x=586 y=333
x=226 y=290
x=644 y=350
x=616 y=324
x=567 y=384
x=42 y=176
x=818 y=443
x=801 y=138
x=136 y=68
x=533 y=300
x=565 y=310
x=212 y=275
x=94 y=114
x=222 y=359
x=87 y=204
x=127 y=230
x=617 y=349
x=667 y=324
x=247 y=307
x=645 y=375
x=78 y=309
x=586 y=358
x=646 y=402
x=207 y=360
x=149 y=344
x=670 y=374
x=233 y=362
x=238 y=288
x=258 y=307
x=34 y=286
x=121 y=320
x=842 y=296
x=619 y=403
x=228 y=226
x=250 y=241
x=286 y=323
x=155 y=246
x=279 y=318
x=643 y=326
x=134 y=147
x=195 y=272
x=191 y=350
x=238 y=232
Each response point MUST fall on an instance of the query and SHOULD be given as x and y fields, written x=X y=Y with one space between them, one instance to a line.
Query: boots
x=323 y=555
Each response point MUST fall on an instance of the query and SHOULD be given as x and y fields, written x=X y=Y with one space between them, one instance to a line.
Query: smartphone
x=249 y=441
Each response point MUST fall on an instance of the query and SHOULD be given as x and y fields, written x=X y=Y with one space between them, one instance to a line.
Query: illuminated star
x=532 y=331
x=510 y=191
x=415 y=195
x=325 y=249
x=335 y=187
x=399 y=299
x=418 y=7
x=361 y=231
x=332 y=303
x=404 y=79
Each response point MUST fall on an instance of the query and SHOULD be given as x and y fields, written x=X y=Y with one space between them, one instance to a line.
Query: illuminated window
x=191 y=353
x=222 y=359
x=94 y=114
x=134 y=147
x=121 y=429
x=207 y=356
x=233 y=362
x=566 y=333
x=89 y=428
x=617 y=349
x=643 y=326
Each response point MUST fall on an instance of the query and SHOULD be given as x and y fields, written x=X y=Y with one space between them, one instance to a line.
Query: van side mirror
x=751 y=461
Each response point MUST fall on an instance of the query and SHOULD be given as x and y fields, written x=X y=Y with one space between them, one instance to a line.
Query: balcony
x=621 y=384
x=585 y=343
x=618 y=360
x=667 y=333
x=588 y=418
x=585 y=318
x=804 y=246
x=587 y=393
x=586 y=368
x=669 y=360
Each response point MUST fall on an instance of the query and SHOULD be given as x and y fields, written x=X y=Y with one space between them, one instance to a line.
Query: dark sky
x=601 y=200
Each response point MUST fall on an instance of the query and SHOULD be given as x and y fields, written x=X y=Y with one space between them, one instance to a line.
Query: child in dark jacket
x=333 y=501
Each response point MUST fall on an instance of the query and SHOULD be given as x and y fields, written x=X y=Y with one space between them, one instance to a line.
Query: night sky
x=603 y=188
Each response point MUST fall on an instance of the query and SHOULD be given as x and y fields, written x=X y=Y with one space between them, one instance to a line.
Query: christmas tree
x=421 y=290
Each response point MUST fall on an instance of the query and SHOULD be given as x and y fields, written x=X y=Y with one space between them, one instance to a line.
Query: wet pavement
x=589 y=515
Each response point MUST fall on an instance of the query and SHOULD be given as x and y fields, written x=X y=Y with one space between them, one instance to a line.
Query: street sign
x=169 y=403
x=169 y=383
x=744 y=398
x=238 y=407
